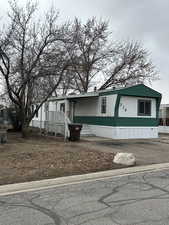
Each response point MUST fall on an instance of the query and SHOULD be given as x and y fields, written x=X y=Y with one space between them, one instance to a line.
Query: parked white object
x=127 y=159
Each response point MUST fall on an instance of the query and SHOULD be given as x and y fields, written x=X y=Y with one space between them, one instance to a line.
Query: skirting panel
x=124 y=132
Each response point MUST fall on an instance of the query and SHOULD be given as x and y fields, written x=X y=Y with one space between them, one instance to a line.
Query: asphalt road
x=141 y=199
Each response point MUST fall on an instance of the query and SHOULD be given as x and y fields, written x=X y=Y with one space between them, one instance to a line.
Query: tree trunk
x=15 y=119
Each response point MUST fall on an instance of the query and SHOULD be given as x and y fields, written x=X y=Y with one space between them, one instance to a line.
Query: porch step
x=86 y=131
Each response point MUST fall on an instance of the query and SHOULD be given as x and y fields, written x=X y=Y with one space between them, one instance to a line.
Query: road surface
x=140 y=199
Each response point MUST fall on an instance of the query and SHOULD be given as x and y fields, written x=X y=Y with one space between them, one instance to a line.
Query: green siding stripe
x=120 y=121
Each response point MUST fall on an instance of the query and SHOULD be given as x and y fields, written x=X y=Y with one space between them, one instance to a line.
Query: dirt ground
x=44 y=157
x=147 y=151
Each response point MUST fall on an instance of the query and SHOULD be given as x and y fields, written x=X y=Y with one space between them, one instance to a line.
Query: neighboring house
x=4 y=119
x=130 y=112
x=164 y=118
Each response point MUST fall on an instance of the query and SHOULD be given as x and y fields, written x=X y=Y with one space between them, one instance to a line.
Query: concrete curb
x=51 y=183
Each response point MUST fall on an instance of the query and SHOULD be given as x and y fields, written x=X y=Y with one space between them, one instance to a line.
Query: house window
x=62 y=107
x=103 y=104
x=144 y=108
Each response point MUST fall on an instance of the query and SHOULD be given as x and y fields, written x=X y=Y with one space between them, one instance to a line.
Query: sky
x=146 y=21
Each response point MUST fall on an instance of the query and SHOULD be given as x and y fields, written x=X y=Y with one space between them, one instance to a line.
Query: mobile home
x=118 y=113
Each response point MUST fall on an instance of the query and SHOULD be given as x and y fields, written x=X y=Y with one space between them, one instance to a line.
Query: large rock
x=127 y=159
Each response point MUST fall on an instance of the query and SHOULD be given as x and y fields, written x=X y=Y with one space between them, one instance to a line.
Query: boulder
x=127 y=159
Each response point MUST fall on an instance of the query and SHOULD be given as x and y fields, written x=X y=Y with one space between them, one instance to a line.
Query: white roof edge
x=90 y=94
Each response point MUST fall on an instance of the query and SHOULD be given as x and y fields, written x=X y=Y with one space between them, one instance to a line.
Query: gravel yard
x=38 y=158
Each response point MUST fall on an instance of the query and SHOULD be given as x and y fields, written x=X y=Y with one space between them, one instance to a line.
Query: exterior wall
x=129 y=107
x=51 y=120
x=92 y=106
x=58 y=103
x=52 y=106
x=86 y=107
x=124 y=132
x=111 y=101
x=39 y=121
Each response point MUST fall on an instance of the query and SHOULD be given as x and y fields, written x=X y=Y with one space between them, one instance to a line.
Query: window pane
x=144 y=107
x=141 y=107
x=147 y=107
x=62 y=107
x=103 y=105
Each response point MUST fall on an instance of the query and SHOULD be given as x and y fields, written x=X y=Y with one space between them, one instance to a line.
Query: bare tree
x=23 y=66
x=130 y=65
x=88 y=51
x=97 y=58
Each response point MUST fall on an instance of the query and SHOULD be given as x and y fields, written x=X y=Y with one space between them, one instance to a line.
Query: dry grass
x=42 y=157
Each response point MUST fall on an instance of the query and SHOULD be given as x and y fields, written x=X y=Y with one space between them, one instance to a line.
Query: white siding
x=92 y=106
x=39 y=121
x=129 y=105
x=52 y=106
x=41 y=114
x=111 y=101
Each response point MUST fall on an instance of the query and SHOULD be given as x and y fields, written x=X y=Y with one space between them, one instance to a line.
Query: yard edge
x=17 y=188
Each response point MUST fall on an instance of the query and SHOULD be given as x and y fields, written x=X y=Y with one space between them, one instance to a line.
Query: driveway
x=147 y=151
x=141 y=199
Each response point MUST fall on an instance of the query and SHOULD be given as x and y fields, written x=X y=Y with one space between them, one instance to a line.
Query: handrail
x=54 y=118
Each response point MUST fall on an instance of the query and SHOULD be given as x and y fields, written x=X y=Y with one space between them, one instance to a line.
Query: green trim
x=139 y=90
x=116 y=109
x=140 y=122
x=120 y=121
x=95 y=120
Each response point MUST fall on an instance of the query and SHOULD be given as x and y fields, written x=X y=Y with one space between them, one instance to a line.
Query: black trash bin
x=75 y=129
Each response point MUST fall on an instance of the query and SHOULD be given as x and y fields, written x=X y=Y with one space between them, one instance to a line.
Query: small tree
x=23 y=66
